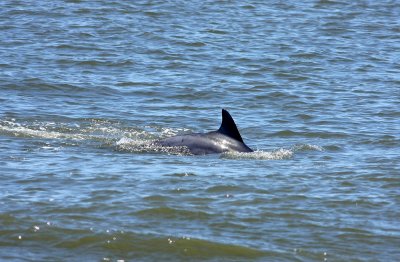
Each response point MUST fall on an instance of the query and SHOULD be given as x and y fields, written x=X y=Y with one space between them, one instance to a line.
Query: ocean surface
x=86 y=86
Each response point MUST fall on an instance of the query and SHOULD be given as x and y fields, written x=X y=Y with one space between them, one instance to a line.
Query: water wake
x=128 y=139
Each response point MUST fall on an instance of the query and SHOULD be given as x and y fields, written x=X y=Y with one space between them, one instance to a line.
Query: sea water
x=314 y=87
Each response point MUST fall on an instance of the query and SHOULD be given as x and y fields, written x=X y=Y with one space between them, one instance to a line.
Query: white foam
x=124 y=140
x=260 y=155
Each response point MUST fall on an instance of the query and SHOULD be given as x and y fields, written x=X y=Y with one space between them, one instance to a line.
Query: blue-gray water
x=313 y=86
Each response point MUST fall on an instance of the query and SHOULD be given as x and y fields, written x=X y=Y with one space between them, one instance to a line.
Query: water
x=313 y=87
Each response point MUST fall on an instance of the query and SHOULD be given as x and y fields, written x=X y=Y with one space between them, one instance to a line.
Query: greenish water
x=86 y=85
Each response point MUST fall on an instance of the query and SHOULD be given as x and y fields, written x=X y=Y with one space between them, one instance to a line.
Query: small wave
x=306 y=147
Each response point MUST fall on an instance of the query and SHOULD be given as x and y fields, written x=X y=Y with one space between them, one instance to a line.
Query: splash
x=278 y=154
x=148 y=146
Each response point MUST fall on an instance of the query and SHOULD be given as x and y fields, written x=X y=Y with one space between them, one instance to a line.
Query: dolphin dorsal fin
x=228 y=126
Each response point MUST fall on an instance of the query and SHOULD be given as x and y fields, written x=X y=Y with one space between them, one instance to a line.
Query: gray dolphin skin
x=226 y=139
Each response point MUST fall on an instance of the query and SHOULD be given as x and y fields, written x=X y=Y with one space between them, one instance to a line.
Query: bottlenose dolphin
x=226 y=139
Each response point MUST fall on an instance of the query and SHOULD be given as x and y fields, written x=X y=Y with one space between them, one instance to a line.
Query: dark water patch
x=283 y=95
x=171 y=213
x=155 y=14
x=191 y=95
x=99 y=63
x=359 y=236
x=217 y=31
x=326 y=135
x=227 y=224
x=197 y=248
x=104 y=195
x=389 y=113
x=182 y=174
x=224 y=189
x=76 y=47
x=348 y=184
x=178 y=247
x=392 y=180
x=191 y=44
x=349 y=230
x=306 y=56
x=384 y=141
x=157 y=198
x=292 y=76
x=360 y=204
x=38 y=178
x=36 y=84
x=7 y=220
x=284 y=215
x=305 y=116
x=133 y=84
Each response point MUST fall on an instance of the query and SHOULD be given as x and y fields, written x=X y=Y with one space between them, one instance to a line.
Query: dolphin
x=226 y=139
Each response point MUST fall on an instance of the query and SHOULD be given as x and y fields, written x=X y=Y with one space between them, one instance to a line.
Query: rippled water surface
x=85 y=86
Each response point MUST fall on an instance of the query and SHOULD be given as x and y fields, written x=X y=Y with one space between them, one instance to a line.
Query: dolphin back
x=226 y=138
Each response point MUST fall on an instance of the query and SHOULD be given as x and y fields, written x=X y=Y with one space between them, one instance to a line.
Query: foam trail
x=30 y=132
